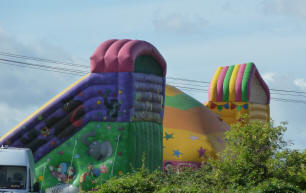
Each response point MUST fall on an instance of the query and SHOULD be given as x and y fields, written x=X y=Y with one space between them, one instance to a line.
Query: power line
x=188 y=80
x=272 y=98
x=289 y=100
x=77 y=72
x=190 y=88
x=285 y=94
x=8 y=54
x=277 y=90
x=187 y=84
x=182 y=85
x=43 y=66
x=43 y=69
x=280 y=90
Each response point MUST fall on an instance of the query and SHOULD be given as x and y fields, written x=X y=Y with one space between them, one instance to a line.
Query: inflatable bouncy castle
x=239 y=89
x=103 y=124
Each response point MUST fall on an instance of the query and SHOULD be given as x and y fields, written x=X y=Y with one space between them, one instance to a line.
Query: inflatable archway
x=239 y=89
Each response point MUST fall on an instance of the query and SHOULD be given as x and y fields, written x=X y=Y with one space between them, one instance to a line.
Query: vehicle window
x=13 y=177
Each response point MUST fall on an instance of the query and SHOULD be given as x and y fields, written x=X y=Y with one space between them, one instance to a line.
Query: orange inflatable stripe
x=192 y=121
x=172 y=91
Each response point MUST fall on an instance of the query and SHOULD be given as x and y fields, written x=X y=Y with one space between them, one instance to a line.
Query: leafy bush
x=138 y=181
x=255 y=160
x=290 y=166
x=275 y=185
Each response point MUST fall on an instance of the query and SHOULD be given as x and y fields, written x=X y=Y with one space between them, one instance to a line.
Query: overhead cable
x=182 y=83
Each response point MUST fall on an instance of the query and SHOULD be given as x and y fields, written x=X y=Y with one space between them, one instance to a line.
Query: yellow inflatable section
x=233 y=82
x=213 y=85
x=191 y=131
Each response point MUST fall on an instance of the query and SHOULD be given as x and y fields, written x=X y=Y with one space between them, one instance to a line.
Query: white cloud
x=293 y=113
x=180 y=23
x=268 y=77
x=23 y=90
x=226 y=6
x=301 y=83
x=292 y=7
x=9 y=116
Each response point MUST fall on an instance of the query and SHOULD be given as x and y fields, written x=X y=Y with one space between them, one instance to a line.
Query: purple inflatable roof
x=120 y=55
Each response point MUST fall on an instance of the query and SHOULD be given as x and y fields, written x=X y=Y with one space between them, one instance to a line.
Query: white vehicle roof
x=14 y=156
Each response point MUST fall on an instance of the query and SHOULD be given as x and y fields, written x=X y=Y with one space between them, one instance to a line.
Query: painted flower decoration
x=108 y=127
x=52 y=143
x=103 y=169
x=45 y=131
x=40 y=178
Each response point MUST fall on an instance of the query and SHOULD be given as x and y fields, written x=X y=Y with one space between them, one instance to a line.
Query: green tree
x=255 y=156
x=255 y=159
x=290 y=166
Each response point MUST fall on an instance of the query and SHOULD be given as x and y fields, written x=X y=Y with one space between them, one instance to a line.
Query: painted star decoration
x=194 y=137
x=219 y=140
x=168 y=136
x=201 y=152
x=177 y=153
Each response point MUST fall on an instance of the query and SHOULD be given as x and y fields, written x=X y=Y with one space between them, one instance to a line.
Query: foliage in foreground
x=256 y=159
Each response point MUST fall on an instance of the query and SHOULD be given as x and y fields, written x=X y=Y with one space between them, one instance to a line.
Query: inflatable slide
x=103 y=124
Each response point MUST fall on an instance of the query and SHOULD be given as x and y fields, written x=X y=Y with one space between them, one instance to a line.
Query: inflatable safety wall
x=239 y=89
x=192 y=132
x=103 y=124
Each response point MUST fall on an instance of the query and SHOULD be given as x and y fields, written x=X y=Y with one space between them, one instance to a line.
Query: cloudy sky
x=194 y=36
